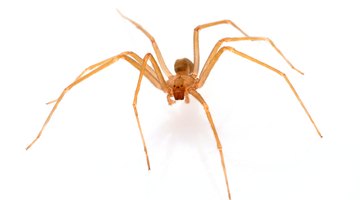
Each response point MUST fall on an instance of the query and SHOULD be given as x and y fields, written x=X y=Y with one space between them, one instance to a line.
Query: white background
x=91 y=148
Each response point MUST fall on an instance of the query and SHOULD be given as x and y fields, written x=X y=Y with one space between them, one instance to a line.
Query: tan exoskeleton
x=186 y=80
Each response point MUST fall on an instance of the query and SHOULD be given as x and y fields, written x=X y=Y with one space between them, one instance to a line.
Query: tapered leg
x=208 y=68
x=237 y=39
x=196 y=40
x=153 y=43
x=134 y=60
x=95 y=69
x=218 y=143
x=142 y=71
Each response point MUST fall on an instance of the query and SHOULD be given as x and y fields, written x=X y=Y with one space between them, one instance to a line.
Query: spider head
x=179 y=89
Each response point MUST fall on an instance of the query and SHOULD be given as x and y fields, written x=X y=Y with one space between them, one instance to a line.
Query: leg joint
x=206 y=107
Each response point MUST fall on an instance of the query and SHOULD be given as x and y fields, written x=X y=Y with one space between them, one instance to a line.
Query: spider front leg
x=218 y=143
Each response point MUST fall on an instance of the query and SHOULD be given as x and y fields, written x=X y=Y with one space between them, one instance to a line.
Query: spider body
x=182 y=82
x=185 y=82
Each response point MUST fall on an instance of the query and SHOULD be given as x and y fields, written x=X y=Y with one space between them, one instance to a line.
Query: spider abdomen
x=183 y=66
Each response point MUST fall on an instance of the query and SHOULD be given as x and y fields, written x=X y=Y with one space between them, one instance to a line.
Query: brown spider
x=186 y=80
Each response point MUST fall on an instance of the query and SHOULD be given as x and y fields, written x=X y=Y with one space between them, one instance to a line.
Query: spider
x=186 y=80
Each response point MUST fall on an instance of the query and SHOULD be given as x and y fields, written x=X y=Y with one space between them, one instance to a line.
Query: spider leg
x=218 y=143
x=236 y=39
x=153 y=43
x=149 y=73
x=158 y=80
x=147 y=57
x=207 y=69
x=196 y=40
